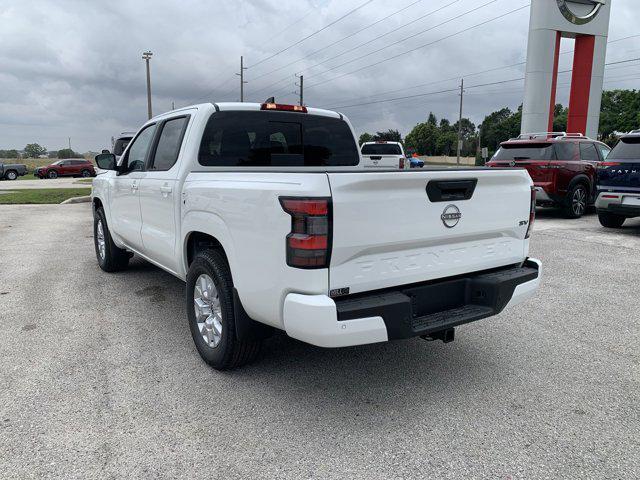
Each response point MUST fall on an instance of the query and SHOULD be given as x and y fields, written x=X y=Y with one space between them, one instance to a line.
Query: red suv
x=562 y=167
x=66 y=168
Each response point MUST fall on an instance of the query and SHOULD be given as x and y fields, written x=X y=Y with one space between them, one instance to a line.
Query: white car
x=264 y=211
x=384 y=154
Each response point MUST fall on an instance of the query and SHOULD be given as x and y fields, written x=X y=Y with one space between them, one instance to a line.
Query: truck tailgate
x=388 y=232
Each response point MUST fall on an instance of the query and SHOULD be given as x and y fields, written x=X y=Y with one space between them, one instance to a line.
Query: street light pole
x=146 y=56
x=460 y=122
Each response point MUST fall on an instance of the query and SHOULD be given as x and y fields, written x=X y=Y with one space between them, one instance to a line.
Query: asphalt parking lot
x=100 y=378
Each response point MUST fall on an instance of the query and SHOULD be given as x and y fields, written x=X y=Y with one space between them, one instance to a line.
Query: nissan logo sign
x=451 y=216
x=568 y=13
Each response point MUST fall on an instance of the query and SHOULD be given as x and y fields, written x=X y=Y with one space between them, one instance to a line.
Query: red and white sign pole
x=587 y=21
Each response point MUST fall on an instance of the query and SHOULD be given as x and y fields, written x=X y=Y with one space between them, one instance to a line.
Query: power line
x=403 y=39
x=312 y=34
x=266 y=42
x=494 y=69
x=419 y=47
x=406 y=97
x=342 y=39
x=384 y=35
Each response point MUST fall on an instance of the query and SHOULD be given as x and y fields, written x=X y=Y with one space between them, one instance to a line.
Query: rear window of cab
x=381 y=149
x=276 y=139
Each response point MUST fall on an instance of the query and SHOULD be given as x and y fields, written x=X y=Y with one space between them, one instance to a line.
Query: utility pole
x=301 y=85
x=241 y=74
x=173 y=105
x=146 y=56
x=460 y=122
x=69 y=143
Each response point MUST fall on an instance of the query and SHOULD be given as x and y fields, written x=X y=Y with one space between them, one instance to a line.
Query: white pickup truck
x=266 y=213
x=383 y=154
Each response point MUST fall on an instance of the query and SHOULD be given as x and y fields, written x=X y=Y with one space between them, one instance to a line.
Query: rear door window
x=169 y=142
x=276 y=139
x=381 y=149
x=588 y=152
x=565 y=151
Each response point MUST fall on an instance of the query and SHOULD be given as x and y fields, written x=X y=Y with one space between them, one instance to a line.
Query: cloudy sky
x=73 y=68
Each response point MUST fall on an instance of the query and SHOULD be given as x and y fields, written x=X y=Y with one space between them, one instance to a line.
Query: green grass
x=85 y=180
x=41 y=195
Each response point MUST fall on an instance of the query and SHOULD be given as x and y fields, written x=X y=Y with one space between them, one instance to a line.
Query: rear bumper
x=410 y=311
x=618 y=205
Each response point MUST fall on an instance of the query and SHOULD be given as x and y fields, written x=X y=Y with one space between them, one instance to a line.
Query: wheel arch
x=205 y=230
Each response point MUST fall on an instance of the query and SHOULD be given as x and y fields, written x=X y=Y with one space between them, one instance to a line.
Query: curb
x=84 y=199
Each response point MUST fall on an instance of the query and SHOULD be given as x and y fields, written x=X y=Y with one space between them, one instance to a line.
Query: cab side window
x=137 y=153
x=169 y=143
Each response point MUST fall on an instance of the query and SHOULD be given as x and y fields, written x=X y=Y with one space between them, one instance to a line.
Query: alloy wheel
x=102 y=244
x=579 y=201
x=206 y=304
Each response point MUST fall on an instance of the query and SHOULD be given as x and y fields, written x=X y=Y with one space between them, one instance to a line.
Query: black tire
x=85 y=174
x=611 y=220
x=576 y=201
x=11 y=175
x=52 y=174
x=114 y=259
x=229 y=352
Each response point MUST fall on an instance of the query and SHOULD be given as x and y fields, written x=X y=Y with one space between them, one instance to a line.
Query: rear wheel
x=52 y=174
x=11 y=175
x=86 y=173
x=211 y=314
x=576 y=201
x=610 y=220
x=110 y=257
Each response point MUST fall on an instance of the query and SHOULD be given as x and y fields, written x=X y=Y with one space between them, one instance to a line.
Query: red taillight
x=532 y=213
x=609 y=164
x=309 y=243
x=610 y=196
x=284 y=108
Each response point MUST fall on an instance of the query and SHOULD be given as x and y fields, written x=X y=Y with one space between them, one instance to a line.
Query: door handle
x=134 y=186
x=165 y=189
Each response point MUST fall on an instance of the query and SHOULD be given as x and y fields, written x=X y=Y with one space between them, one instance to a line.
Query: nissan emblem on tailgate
x=451 y=216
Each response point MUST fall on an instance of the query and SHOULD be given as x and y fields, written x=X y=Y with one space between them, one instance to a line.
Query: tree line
x=620 y=113
x=34 y=150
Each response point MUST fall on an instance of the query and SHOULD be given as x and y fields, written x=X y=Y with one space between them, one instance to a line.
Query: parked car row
x=573 y=172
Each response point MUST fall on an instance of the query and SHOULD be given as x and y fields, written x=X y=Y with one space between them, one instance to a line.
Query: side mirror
x=106 y=161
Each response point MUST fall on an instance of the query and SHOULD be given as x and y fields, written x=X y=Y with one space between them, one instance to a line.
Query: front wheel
x=210 y=310
x=610 y=220
x=11 y=175
x=52 y=174
x=85 y=173
x=576 y=202
x=110 y=257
